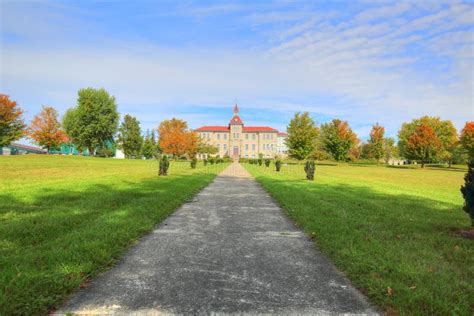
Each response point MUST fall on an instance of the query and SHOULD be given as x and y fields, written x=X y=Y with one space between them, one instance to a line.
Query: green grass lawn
x=390 y=230
x=66 y=219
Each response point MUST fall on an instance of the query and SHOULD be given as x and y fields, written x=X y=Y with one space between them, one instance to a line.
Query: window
x=225 y=136
x=253 y=146
x=225 y=147
x=246 y=147
x=218 y=136
x=218 y=147
x=246 y=136
x=253 y=136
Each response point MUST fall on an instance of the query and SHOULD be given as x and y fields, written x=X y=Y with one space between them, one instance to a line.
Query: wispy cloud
x=381 y=62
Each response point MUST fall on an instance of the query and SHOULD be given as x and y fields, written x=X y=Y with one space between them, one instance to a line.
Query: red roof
x=213 y=128
x=236 y=109
x=236 y=120
x=259 y=129
x=226 y=129
x=282 y=134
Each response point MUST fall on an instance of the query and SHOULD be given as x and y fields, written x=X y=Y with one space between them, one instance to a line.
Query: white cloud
x=375 y=66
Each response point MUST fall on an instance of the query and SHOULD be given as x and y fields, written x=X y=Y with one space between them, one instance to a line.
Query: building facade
x=239 y=141
x=282 y=149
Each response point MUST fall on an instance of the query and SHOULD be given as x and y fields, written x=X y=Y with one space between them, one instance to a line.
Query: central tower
x=235 y=127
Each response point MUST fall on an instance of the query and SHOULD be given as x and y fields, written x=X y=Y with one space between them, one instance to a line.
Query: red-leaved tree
x=11 y=122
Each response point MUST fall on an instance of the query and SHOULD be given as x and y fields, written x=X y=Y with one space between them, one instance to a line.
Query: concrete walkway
x=230 y=250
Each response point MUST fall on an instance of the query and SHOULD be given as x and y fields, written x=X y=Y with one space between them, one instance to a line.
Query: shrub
x=211 y=160
x=467 y=191
x=104 y=152
x=309 y=168
x=278 y=165
x=164 y=165
x=260 y=161
x=205 y=162
x=194 y=163
x=267 y=162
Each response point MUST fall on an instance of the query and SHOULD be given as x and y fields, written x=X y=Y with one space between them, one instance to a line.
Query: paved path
x=230 y=250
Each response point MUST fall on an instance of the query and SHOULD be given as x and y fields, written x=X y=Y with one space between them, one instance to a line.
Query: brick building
x=239 y=141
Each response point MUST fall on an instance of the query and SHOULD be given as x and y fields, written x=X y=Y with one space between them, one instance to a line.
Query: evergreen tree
x=302 y=134
x=129 y=138
x=148 y=148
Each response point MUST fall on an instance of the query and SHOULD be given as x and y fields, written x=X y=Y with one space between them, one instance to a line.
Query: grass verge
x=390 y=230
x=65 y=219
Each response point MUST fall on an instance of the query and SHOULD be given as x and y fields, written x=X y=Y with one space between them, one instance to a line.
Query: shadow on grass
x=383 y=241
x=53 y=242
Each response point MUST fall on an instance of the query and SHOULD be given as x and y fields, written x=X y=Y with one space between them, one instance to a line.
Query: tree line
x=424 y=140
x=93 y=125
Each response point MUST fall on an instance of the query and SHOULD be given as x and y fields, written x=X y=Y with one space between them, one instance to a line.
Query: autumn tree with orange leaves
x=11 y=122
x=338 y=138
x=423 y=145
x=176 y=139
x=45 y=129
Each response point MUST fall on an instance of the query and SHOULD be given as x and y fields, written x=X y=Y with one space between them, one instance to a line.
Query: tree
x=148 y=147
x=130 y=138
x=390 y=150
x=376 y=141
x=45 y=129
x=205 y=148
x=176 y=139
x=467 y=191
x=302 y=133
x=94 y=120
x=338 y=138
x=444 y=131
x=423 y=144
x=11 y=122
x=467 y=139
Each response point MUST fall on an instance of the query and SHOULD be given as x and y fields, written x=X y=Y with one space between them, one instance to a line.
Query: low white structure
x=282 y=149
x=119 y=154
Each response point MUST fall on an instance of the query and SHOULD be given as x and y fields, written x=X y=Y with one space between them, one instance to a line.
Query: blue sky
x=361 y=61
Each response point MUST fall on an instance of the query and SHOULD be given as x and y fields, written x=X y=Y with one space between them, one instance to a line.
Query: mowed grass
x=390 y=230
x=65 y=219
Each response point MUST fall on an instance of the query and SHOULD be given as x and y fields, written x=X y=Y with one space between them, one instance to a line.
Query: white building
x=282 y=149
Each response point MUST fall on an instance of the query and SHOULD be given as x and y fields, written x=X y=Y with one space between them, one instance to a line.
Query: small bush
x=260 y=161
x=267 y=162
x=467 y=191
x=194 y=163
x=309 y=168
x=278 y=165
x=164 y=165
x=205 y=162
x=211 y=160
